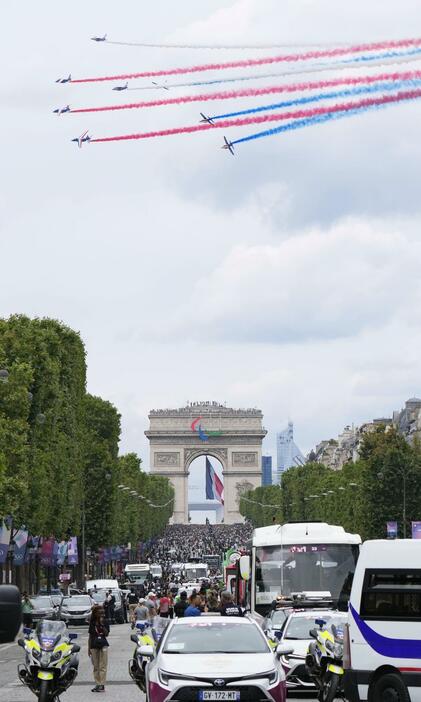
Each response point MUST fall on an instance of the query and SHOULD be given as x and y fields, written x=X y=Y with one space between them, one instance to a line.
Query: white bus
x=195 y=572
x=137 y=573
x=156 y=570
x=382 y=643
x=307 y=557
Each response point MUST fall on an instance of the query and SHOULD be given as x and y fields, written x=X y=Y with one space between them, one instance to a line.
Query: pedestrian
x=132 y=600
x=141 y=613
x=27 y=608
x=150 y=603
x=228 y=606
x=111 y=606
x=212 y=601
x=181 y=605
x=98 y=647
x=164 y=606
x=193 y=610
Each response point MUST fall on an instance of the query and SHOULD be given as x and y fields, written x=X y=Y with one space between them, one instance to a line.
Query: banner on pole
x=5 y=533
x=20 y=541
x=416 y=530
x=72 y=552
x=392 y=530
x=61 y=553
x=47 y=552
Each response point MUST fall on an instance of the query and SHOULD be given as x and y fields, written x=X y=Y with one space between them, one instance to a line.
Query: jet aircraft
x=82 y=139
x=228 y=145
x=122 y=87
x=104 y=38
x=61 y=110
x=209 y=120
x=64 y=80
x=160 y=85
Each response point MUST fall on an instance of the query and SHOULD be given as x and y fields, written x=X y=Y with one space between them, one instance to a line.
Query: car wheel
x=390 y=688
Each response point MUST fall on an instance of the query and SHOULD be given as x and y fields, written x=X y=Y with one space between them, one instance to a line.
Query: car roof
x=214 y=619
x=316 y=613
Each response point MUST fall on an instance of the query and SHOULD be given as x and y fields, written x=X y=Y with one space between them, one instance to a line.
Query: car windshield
x=98 y=596
x=202 y=636
x=299 y=627
x=291 y=568
x=41 y=602
x=278 y=617
x=77 y=601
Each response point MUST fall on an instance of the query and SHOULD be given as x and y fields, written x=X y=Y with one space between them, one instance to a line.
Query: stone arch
x=234 y=437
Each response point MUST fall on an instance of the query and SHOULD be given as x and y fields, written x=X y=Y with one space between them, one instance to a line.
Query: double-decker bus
x=306 y=558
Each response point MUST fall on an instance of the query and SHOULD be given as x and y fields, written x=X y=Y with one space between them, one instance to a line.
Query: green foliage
x=256 y=505
x=361 y=497
x=59 y=446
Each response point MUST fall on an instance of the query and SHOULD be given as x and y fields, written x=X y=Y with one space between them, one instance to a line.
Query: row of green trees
x=59 y=462
x=383 y=485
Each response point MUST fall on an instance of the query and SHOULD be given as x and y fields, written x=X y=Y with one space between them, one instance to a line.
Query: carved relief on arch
x=190 y=454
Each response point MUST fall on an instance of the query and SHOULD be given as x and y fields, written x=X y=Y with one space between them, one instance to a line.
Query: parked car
x=44 y=608
x=120 y=612
x=296 y=635
x=214 y=658
x=76 y=609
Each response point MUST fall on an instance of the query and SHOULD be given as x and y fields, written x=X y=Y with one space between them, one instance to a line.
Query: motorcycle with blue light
x=51 y=660
x=324 y=660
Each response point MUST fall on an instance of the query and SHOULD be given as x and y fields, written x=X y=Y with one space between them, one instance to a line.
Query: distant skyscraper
x=266 y=470
x=288 y=453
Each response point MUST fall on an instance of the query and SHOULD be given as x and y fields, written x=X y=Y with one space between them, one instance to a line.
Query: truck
x=137 y=573
x=195 y=572
x=382 y=640
x=306 y=558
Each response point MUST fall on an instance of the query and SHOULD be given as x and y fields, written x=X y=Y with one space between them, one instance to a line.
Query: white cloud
x=319 y=284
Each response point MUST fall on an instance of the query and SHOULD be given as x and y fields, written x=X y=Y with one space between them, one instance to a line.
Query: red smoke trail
x=256 y=92
x=298 y=114
x=246 y=63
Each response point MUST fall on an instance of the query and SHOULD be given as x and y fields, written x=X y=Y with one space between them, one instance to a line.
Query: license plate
x=219 y=695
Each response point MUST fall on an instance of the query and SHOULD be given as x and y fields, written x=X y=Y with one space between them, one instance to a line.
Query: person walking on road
x=181 y=605
x=132 y=600
x=98 y=647
x=228 y=606
x=27 y=608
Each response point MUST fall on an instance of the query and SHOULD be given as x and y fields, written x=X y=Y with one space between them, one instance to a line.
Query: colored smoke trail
x=350 y=92
x=257 y=92
x=391 y=57
x=258 y=119
x=247 y=63
x=228 y=47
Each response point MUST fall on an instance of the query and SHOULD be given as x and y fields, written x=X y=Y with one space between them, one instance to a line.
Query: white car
x=296 y=636
x=214 y=658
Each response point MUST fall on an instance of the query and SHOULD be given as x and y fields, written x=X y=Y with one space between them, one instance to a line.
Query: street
x=119 y=686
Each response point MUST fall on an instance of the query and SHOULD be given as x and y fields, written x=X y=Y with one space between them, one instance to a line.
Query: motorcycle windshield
x=49 y=632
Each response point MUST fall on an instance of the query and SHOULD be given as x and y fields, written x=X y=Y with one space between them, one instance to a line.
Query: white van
x=102 y=584
x=382 y=648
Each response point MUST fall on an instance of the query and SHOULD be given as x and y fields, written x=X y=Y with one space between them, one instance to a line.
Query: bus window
x=391 y=595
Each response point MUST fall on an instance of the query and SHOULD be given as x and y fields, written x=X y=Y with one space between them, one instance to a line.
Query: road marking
x=4 y=647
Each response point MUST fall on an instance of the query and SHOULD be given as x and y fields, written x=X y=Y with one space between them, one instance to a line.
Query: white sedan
x=296 y=636
x=214 y=658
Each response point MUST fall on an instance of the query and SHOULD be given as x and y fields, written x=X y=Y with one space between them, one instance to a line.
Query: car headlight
x=36 y=654
x=273 y=676
x=56 y=656
x=163 y=676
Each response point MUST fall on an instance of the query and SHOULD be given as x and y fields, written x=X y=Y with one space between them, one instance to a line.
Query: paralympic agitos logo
x=203 y=435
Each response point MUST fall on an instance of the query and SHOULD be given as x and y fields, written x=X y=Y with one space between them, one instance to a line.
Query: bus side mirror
x=245 y=567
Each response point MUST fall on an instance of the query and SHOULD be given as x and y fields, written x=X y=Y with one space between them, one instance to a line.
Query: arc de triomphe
x=233 y=436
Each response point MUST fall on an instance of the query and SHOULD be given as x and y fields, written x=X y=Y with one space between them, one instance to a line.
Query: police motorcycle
x=147 y=634
x=324 y=660
x=137 y=664
x=51 y=660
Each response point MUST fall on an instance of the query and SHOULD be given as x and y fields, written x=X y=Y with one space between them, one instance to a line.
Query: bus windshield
x=324 y=568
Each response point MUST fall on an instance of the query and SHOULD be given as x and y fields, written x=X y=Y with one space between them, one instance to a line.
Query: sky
x=286 y=278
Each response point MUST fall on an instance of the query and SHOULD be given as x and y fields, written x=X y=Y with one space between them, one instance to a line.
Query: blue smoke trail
x=310 y=121
x=322 y=66
x=348 y=92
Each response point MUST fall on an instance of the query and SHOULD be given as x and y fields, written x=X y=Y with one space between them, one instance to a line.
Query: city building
x=266 y=470
x=287 y=452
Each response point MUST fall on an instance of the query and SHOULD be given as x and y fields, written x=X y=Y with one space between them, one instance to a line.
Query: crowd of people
x=181 y=542
x=208 y=599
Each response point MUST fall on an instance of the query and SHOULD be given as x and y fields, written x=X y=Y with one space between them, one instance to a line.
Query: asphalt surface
x=119 y=688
